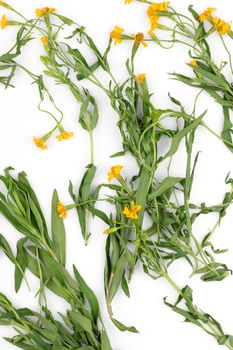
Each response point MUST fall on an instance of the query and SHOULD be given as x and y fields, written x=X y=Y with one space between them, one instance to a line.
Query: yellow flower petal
x=140 y=78
x=61 y=210
x=139 y=39
x=44 y=11
x=132 y=213
x=193 y=63
x=39 y=143
x=115 y=35
x=206 y=14
x=221 y=26
x=65 y=135
x=44 y=40
x=114 y=172
x=4 y=22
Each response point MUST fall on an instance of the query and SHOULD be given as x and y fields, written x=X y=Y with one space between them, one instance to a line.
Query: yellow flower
x=221 y=26
x=44 y=40
x=155 y=7
x=154 y=21
x=131 y=213
x=1 y=2
x=44 y=11
x=61 y=210
x=65 y=135
x=193 y=63
x=162 y=6
x=206 y=14
x=115 y=35
x=115 y=172
x=39 y=143
x=128 y=1
x=139 y=39
x=4 y=22
x=140 y=78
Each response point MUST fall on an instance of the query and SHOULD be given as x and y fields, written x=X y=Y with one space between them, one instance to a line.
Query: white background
x=159 y=327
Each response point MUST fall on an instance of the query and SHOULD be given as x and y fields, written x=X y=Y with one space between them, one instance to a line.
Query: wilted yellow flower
x=39 y=143
x=115 y=34
x=221 y=26
x=4 y=22
x=65 y=135
x=44 y=11
x=128 y=1
x=114 y=172
x=44 y=40
x=193 y=63
x=139 y=39
x=140 y=78
x=206 y=14
x=61 y=210
x=132 y=213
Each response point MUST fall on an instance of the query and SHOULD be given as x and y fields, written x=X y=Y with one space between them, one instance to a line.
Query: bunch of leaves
x=210 y=76
x=44 y=256
x=170 y=234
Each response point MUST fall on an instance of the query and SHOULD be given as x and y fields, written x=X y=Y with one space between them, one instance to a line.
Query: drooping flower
x=65 y=135
x=61 y=210
x=44 y=40
x=193 y=63
x=4 y=22
x=206 y=14
x=40 y=143
x=139 y=39
x=221 y=26
x=132 y=212
x=116 y=35
x=44 y=11
x=140 y=78
x=115 y=172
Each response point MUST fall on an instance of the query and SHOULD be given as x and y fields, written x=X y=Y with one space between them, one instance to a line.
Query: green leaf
x=105 y=343
x=124 y=328
x=176 y=140
x=22 y=262
x=88 y=293
x=58 y=231
x=165 y=185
